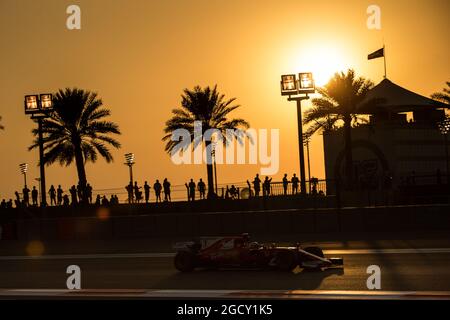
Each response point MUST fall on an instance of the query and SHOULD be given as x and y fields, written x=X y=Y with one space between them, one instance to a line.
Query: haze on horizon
x=139 y=55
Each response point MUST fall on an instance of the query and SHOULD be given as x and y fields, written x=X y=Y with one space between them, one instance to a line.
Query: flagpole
x=384 y=56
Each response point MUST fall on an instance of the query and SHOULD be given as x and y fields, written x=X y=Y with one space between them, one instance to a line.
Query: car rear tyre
x=286 y=261
x=184 y=261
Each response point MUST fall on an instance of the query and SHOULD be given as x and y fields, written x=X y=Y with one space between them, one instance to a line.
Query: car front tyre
x=184 y=261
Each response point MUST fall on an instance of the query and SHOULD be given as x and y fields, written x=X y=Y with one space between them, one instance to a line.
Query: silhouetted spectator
x=233 y=192
x=105 y=201
x=66 y=201
x=166 y=186
x=294 y=182
x=266 y=186
x=137 y=192
x=17 y=200
x=250 y=192
x=146 y=192
x=257 y=185
x=129 y=189
x=34 y=196
x=89 y=193
x=3 y=204
x=80 y=193
x=157 y=187
x=52 y=193
x=59 y=195
x=98 y=200
x=26 y=196
x=227 y=193
x=285 y=184
x=201 y=189
x=73 y=195
x=9 y=204
x=314 y=182
x=191 y=187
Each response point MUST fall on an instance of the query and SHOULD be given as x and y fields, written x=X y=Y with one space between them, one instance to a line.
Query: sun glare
x=322 y=61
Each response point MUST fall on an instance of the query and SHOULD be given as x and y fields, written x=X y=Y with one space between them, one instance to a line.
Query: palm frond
x=77 y=122
x=443 y=96
x=338 y=101
x=206 y=105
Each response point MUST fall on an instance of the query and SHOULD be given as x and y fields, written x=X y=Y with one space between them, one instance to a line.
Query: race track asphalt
x=407 y=270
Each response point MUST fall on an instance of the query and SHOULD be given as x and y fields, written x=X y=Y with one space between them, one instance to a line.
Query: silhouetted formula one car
x=239 y=252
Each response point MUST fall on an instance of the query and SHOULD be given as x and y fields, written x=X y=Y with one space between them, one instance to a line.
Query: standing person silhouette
x=73 y=195
x=17 y=200
x=233 y=192
x=157 y=188
x=129 y=189
x=201 y=189
x=59 y=195
x=294 y=182
x=98 y=200
x=34 y=196
x=257 y=185
x=89 y=193
x=192 y=190
x=105 y=201
x=266 y=186
x=79 y=193
x=65 y=200
x=26 y=196
x=137 y=192
x=166 y=186
x=52 y=193
x=285 y=184
x=146 y=192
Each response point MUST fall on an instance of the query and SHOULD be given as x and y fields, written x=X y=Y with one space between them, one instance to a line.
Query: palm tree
x=76 y=130
x=443 y=96
x=211 y=108
x=340 y=96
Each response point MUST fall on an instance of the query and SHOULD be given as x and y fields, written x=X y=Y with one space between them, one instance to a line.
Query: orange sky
x=139 y=55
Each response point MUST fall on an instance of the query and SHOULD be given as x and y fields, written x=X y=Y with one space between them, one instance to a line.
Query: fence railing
x=180 y=192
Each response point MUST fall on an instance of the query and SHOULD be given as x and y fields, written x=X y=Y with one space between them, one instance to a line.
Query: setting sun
x=322 y=60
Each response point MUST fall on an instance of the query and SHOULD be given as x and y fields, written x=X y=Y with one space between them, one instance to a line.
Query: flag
x=377 y=54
